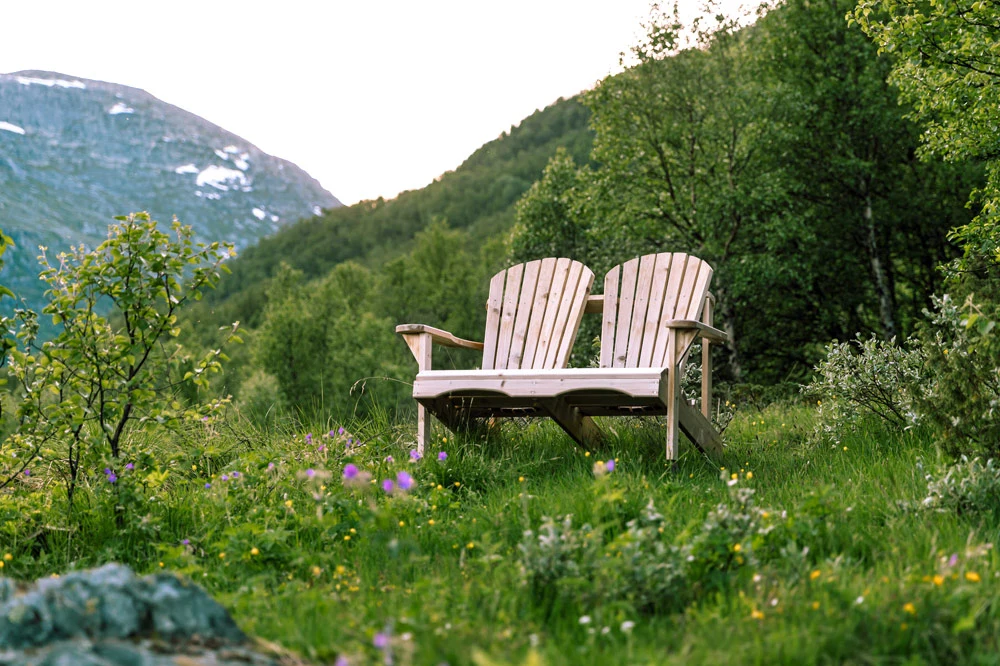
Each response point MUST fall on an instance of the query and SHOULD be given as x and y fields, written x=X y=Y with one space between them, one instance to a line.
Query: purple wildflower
x=310 y=472
x=208 y=485
x=130 y=466
x=270 y=466
x=341 y=661
x=350 y=471
x=953 y=560
x=27 y=472
x=404 y=481
x=321 y=448
x=350 y=441
x=340 y=430
x=107 y=470
x=235 y=475
x=225 y=477
x=112 y=478
x=381 y=641
x=390 y=459
x=309 y=438
x=388 y=486
x=186 y=542
x=416 y=455
x=610 y=465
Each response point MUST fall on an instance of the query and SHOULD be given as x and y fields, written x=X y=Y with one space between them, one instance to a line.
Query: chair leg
x=672 y=397
x=423 y=428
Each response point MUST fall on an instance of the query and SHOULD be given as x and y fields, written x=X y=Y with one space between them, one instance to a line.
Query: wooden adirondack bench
x=654 y=307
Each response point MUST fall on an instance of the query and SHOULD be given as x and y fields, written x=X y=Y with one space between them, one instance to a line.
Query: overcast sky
x=370 y=97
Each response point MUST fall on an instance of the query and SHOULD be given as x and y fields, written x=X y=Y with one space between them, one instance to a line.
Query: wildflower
x=749 y=475
x=321 y=448
x=756 y=614
x=815 y=574
x=610 y=465
x=909 y=608
x=627 y=626
x=225 y=477
x=388 y=486
x=953 y=560
x=288 y=504
x=404 y=481
x=938 y=580
x=316 y=571
x=390 y=459
x=254 y=551
x=415 y=455
x=584 y=619
x=815 y=605
x=208 y=485
x=222 y=556
x=27 y=472
x=270 y=467
x=972 y=577
x=859 y=600
x=130 y=466
x=341 y=661
x=112 y=477
x=381 y=641
x=310 y=472
x=586 y=454
x=737 y=548
x=470 y=545
x=340 y=430
x=520 y=479
x=442 y=455
x=309 y=438
x=185 y=542
x=350 y=471
x=235 y=475
x=402 y=523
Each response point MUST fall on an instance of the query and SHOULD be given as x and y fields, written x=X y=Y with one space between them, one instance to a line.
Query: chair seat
x=594 y=391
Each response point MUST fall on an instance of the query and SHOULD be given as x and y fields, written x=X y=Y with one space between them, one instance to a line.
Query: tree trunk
x=883 y=288
x=724 y=309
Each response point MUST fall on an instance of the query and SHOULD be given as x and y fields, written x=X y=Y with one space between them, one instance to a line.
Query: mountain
x=75 y=152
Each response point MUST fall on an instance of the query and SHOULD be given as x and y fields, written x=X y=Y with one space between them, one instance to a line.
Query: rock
x=111 y=617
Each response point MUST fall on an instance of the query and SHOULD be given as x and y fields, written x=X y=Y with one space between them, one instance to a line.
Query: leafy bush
x=867 y=378
x=103 y=374
x=963 y=355
x=965 y=487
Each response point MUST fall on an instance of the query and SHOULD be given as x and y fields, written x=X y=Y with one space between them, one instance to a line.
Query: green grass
x=321 y=568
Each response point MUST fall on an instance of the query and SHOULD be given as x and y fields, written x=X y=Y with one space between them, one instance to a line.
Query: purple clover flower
x=350 y=471
x=309 y=438
x=388 y=486
x=340 y=430
x=270 y=467
x=186 y=542
x=130 y=466
x=112 y=477
x=404 y=481
x=310 y=472
x=235 y=475
x=390 y=459
x=208 y=485
x=442 y=456
x=225 y=477
x=321 y=448
x=610 y=465
x=381 y=641
x=416 y=455
x=27 y=472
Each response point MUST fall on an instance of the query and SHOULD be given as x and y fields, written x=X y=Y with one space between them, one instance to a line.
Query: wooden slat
x=510 y=298
x=438 y=337
x=678 y=263
x=545 y=274
x=493 y=304
x=629 y=269
x=698 y=295
x=706 y=364
x=572 y=325
x=620 y=382
x=684 y=340
x=569 y=297
x=656 y=294
x=551 y=311
x=610 y=316
x=643 y=283
x=523 y=313
x=698 y=429
x=581 y=428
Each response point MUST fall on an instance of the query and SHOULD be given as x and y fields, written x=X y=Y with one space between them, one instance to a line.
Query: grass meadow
x=786 y=550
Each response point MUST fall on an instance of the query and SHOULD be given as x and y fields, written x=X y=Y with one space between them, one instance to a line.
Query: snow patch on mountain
x=11 y=127
x=187 y=168
x=259 y=214
x=220 y=178
x=120 y=108
x=48 y=83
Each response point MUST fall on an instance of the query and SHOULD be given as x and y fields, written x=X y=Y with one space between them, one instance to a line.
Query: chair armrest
x=702 y=330
x=438 y=336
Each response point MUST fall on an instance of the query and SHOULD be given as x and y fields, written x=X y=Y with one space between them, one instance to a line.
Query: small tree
x=112 y=365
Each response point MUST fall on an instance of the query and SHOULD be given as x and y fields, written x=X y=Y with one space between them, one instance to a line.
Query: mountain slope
x=478 y=196
x=74 y=153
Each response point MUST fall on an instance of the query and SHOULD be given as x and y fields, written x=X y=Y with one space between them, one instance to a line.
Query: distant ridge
x=75 y=152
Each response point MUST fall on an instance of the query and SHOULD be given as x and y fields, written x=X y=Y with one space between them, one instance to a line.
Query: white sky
x=370 y=97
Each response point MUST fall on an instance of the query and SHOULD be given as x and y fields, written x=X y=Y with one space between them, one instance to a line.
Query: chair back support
x=642 y=295
x=533 y=314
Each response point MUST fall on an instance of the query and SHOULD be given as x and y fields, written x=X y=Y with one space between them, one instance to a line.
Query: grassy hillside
x=795 y=552
x=477 y=197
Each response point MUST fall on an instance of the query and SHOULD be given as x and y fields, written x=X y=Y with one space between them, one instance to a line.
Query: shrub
x=103 y=374
x=867 y=378
x=965 y=487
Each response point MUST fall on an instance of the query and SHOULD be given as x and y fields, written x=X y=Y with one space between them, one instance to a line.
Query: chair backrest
x=643 y=294
x=533 y=314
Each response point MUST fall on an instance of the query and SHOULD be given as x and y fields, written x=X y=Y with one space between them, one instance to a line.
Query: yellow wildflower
x=470 y=545
x=8 y=557
x=815 y=605
x=737 y=548
x=316 y=571
x=222 y=556
x=815 y=574
x=402 y=524
x=749 y=475
x=734 y=476
x=938 y=579
x=288 y=503
x=972 y=577
x=520 y=479
x=161 y=565
x=909 y=608
x=756 y=614
x=430 y=522
x=347 y=537
x=254 y=551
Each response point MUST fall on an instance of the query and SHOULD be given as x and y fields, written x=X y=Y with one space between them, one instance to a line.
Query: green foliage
x=864 y=379
x=967 y=487
x=81 y=391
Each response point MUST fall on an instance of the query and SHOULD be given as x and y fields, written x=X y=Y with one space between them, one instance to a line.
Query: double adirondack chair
x=654 y=307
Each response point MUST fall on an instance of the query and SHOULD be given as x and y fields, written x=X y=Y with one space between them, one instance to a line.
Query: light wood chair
x=533 y=314
x=654 y=307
